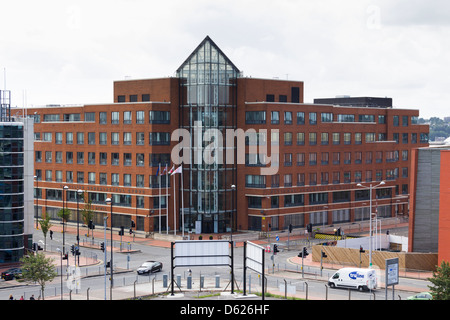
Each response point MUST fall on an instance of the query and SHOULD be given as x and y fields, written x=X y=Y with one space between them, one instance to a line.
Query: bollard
x=217 y=281
x=189 y=282
x=165 y=278
x=179 y=280
x=202 y=282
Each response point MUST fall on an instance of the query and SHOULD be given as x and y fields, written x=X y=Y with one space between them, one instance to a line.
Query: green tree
x=64 y=214
x=87 y=212
x=441 y=282
x=38 y=268
x=45 y=227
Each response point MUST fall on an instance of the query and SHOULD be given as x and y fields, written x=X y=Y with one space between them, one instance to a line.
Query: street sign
x=277 y=238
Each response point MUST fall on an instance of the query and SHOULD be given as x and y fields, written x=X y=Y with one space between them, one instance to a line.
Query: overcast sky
x=70 y=52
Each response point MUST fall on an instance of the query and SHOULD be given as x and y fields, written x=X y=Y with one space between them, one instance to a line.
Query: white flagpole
x=182 y=200
x=167 y=201
x=174 y=209
x=159 y=187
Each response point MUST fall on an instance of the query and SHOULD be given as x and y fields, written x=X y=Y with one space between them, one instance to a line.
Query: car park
x=150 y=267
x=421 y=296
x=13 y=273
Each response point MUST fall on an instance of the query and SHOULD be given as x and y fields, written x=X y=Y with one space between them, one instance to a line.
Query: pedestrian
x=11 y=297
x=32 y=297
x=21 y=298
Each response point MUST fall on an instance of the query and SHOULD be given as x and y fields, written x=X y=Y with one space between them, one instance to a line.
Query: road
x=280 y=271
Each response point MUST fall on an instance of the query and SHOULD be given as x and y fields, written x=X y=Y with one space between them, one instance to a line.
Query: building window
x=347 y=138
x=159 y=138
x=127 y=180
x=127 y=118
x=255 y=181
x=103 y=178
x=275 y=117
x=159 y=117
x=114 y=138
x=300 y=118
x=254 y=202
x=91 y=177
x=140 y=159
x=300 y=179
x=312 y=138
x=80 y=137
x=91 y=138
x=47 y=136
x=80 y=177
x=313 y=118
x=336 y=138
x=69 y=176
x=80 y=157
x=58 y=137
x=127 y=138
x=115 y=117
x=103 y=158
x=140 y=117
x=255 y=117
x=48 y=156
x=324 y=137
x=121 y=98
x=115 y=179
x=326 y=117
x=103 y=138
x=115 y=159
x=127 y=161
x=288 y=138
x=300 y=159
x=140 y=137
x=300 y=138
x=58 y=157
x=89 y=116
x=395 y=121
x=140 y=181
x=102 y=116
x=69 y=157
x=133 y=98
x=287 y=117
x=91 y=157
x=146 y=97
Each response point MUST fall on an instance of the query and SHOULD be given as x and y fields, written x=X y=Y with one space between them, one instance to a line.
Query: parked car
x=12 y=273
x=421 y=296
x=149 y=267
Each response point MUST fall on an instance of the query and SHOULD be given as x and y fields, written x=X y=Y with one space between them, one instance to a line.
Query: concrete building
x=254 y=155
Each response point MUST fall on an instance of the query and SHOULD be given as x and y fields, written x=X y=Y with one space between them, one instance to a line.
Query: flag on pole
x=178 y=170
x=164 y=171
x=157 y=170
x=171 y=170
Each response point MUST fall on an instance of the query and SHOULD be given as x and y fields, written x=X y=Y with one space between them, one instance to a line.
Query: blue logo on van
x=354 y=275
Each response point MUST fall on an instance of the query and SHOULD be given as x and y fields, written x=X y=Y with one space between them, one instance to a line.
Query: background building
x=16 y=184
x=429 y=224
x=320 y=152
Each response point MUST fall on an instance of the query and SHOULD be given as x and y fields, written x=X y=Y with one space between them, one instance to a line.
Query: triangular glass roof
x=208 y=52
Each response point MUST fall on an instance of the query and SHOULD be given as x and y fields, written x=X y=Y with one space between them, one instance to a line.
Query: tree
x=64 y=214
x=38 y=268
x=441 y=282
x=87 y=212
x=45 y=227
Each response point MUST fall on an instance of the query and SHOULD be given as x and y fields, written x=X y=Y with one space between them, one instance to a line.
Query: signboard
x=392 y=272
x=201 y=253
x=255 y=255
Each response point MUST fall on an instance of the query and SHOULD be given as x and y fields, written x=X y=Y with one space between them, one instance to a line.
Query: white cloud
x=72 y=51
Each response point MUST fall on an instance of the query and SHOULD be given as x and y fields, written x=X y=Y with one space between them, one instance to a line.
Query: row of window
x=154 y=138
x=139 y=179
x=335 y=177
x=259 y=160
x=294 y=200
x=259 y=117
x=155 y=159
x=154 y=117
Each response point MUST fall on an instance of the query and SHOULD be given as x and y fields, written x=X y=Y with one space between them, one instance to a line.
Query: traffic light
x=324 y=255
x=305 y=252
x=361 y=250
x=65 y=256
x=72 y=249
x=275 y=249
x=290 y=228
x=77 y=251
x=102 y=246
x=133 y=224
x=309 y=227
x=121 y=231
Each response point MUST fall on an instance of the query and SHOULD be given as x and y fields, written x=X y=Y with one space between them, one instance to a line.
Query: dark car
x=12 y=273
x=149 y=267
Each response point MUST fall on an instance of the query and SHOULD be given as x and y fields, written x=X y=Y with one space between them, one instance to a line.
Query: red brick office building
x=321 y=152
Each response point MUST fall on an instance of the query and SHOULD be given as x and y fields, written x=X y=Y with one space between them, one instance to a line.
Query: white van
x=356 y=278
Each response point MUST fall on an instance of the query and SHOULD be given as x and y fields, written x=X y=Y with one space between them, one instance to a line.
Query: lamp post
x=79 y=193
x=109 y=200
x=370 y=187
x=37 y=203
x=233 y=188
x=58 y=249
x=65 y=188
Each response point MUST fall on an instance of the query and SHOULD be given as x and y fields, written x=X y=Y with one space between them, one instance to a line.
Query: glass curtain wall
x=207 y=110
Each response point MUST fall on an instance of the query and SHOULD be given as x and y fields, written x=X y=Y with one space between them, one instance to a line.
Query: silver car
x=149 y=267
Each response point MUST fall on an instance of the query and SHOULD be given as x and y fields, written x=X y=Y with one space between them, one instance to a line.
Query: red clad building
x=254 y=156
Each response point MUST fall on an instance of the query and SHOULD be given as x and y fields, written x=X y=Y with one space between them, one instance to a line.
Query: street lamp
x=58 y=249
x=233 y=188
x=79 y=193
x=37 y=203
x=370 y=187
x=65 y=188
x=109 y=200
